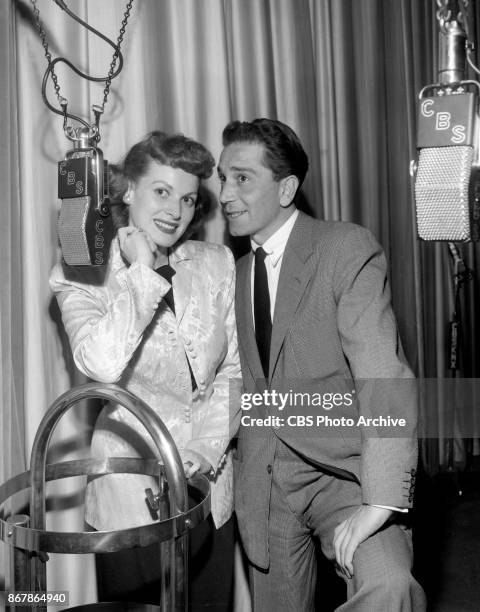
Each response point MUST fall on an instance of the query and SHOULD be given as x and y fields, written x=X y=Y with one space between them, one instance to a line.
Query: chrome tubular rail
x=31 y=541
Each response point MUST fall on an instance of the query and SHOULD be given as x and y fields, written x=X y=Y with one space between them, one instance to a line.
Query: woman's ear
x=288 y=189
x=127 y=198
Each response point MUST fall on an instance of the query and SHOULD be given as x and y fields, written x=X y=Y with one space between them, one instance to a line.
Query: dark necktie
x=261 y=309
x=167 y=272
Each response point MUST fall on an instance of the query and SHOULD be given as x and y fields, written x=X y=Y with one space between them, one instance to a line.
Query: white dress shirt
x=274 y=247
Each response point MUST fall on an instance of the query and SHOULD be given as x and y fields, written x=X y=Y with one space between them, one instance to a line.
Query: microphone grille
x=442 y=193
x=72 y=231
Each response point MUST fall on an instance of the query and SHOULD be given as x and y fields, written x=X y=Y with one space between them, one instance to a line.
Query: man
x=313 y=314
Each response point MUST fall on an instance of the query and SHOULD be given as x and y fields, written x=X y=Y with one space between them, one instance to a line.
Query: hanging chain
x=121 y=34
x=43 y=37
x=97 y=109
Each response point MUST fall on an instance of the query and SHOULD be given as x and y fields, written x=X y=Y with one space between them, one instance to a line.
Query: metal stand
x=30 y=543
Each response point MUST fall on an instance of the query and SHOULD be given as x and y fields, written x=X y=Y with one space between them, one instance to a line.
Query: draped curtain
x=12 y=417
x=343 y=73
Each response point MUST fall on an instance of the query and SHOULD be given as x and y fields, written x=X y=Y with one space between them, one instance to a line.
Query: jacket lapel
x=294 y=278
x=246 y=334
x=181 y=283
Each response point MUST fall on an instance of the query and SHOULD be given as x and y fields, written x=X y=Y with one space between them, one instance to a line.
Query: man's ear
x=288 y=189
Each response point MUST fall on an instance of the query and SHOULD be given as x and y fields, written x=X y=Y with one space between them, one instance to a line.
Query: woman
x=179 y=355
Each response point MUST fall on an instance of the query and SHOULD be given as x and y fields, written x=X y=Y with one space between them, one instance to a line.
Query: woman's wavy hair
x=174 y=150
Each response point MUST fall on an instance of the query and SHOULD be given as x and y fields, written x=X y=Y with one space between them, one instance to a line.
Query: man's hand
x=363 y=523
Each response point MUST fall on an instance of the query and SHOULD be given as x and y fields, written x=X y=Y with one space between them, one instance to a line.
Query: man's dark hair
x=284 y=153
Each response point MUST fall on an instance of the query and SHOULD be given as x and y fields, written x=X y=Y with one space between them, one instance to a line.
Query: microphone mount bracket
x=445 y=12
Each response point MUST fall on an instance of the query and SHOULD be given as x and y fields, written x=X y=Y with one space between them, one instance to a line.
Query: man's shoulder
x=330 y=235
x=334 y=229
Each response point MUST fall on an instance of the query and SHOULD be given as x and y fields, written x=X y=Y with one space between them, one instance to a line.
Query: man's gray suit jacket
x=333 y=329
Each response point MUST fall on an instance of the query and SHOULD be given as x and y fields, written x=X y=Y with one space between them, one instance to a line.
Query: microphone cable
x=114 y=70
x=461 y=275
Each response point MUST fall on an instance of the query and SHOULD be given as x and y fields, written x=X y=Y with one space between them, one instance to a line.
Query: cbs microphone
x=85 y=227
x=447 y=177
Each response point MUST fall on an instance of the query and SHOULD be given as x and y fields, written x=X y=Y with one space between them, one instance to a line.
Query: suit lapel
x=293 y=280
x=246 y=334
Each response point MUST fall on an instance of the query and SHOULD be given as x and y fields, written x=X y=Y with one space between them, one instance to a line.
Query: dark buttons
x=269 y=468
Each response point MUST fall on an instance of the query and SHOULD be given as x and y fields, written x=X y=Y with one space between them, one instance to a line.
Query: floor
x=447 y=541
